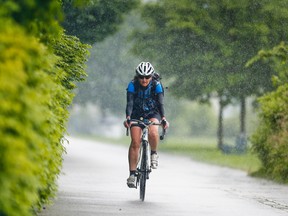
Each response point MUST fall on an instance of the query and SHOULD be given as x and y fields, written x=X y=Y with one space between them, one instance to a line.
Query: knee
x=135 y=144
x=153 y=134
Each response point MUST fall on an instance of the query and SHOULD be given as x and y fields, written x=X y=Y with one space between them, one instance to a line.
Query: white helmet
x=145 y=69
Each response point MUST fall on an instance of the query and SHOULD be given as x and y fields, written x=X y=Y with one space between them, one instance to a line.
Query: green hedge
x=39 y=65
x=24 y=120
x=270 y=141
x=35 y=93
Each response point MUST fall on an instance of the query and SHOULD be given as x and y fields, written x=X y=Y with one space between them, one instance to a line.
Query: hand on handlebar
x=127 y=122
x=165 y=123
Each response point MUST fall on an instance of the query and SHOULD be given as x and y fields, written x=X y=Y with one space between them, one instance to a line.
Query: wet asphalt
x=93 y=182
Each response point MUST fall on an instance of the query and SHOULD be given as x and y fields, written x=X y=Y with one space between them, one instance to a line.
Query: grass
x=205 y=150
x=199 y=149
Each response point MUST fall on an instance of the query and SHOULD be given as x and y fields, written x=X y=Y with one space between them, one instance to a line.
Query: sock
x=132 y=172
x=153 y=152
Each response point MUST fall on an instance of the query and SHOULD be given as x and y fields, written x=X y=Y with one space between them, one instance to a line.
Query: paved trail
x=94 y=183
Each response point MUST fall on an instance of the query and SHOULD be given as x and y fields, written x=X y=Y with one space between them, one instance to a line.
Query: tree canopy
x=109 y=74
x=205 y=46
x=92 y=21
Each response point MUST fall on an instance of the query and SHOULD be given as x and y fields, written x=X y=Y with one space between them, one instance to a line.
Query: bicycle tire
x=143 y=173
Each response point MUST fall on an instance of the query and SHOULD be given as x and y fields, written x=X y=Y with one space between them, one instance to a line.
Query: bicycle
x=144 y=160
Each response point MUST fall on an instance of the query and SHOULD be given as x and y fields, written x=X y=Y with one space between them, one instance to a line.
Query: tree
x=92 y=21
x=205 y=46
x=109 y=74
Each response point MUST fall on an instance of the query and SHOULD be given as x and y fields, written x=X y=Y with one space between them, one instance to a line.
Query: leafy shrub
x=271 y=138
x=270 y=141
x=35 y=93
x=38 y=67
x=25 y=120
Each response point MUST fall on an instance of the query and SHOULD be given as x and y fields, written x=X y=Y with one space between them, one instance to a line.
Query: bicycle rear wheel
x=143 y=173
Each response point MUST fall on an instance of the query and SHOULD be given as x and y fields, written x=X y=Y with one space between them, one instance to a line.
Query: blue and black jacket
x=146 y=102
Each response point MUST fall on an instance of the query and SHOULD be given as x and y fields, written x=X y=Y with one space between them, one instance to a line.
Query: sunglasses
x=142 y=77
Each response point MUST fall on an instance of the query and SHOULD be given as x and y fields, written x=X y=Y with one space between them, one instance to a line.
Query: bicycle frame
x=144 y=153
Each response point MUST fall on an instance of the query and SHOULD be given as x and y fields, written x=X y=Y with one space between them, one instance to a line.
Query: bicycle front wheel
x=143 y=173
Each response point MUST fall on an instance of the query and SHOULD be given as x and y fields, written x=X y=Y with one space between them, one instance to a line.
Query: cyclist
x=144 y=99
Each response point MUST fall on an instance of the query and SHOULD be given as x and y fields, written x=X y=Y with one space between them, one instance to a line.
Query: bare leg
x=134 y=147
x=153 y=135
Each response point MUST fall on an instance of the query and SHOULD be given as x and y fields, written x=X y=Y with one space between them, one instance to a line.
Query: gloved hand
x=127 y=122
x=165 y=123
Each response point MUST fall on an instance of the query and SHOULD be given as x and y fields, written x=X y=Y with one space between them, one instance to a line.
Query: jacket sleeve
x=160 y=99
x=130 y=98
x=130 y=101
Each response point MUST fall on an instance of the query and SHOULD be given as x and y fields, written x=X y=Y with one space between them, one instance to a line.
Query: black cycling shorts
x=149 y=116
x=154 y=115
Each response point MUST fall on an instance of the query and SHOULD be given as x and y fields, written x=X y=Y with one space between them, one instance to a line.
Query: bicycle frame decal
x=145 y=134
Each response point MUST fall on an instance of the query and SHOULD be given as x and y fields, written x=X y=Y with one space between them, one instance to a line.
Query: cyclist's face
x=144 y=80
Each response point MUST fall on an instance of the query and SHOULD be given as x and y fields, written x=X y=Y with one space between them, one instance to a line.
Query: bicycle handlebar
x=146 y=124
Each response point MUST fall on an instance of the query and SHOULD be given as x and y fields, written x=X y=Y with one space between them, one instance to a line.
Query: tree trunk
x=241 y=140
x=220 y=125
x=242 y=116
